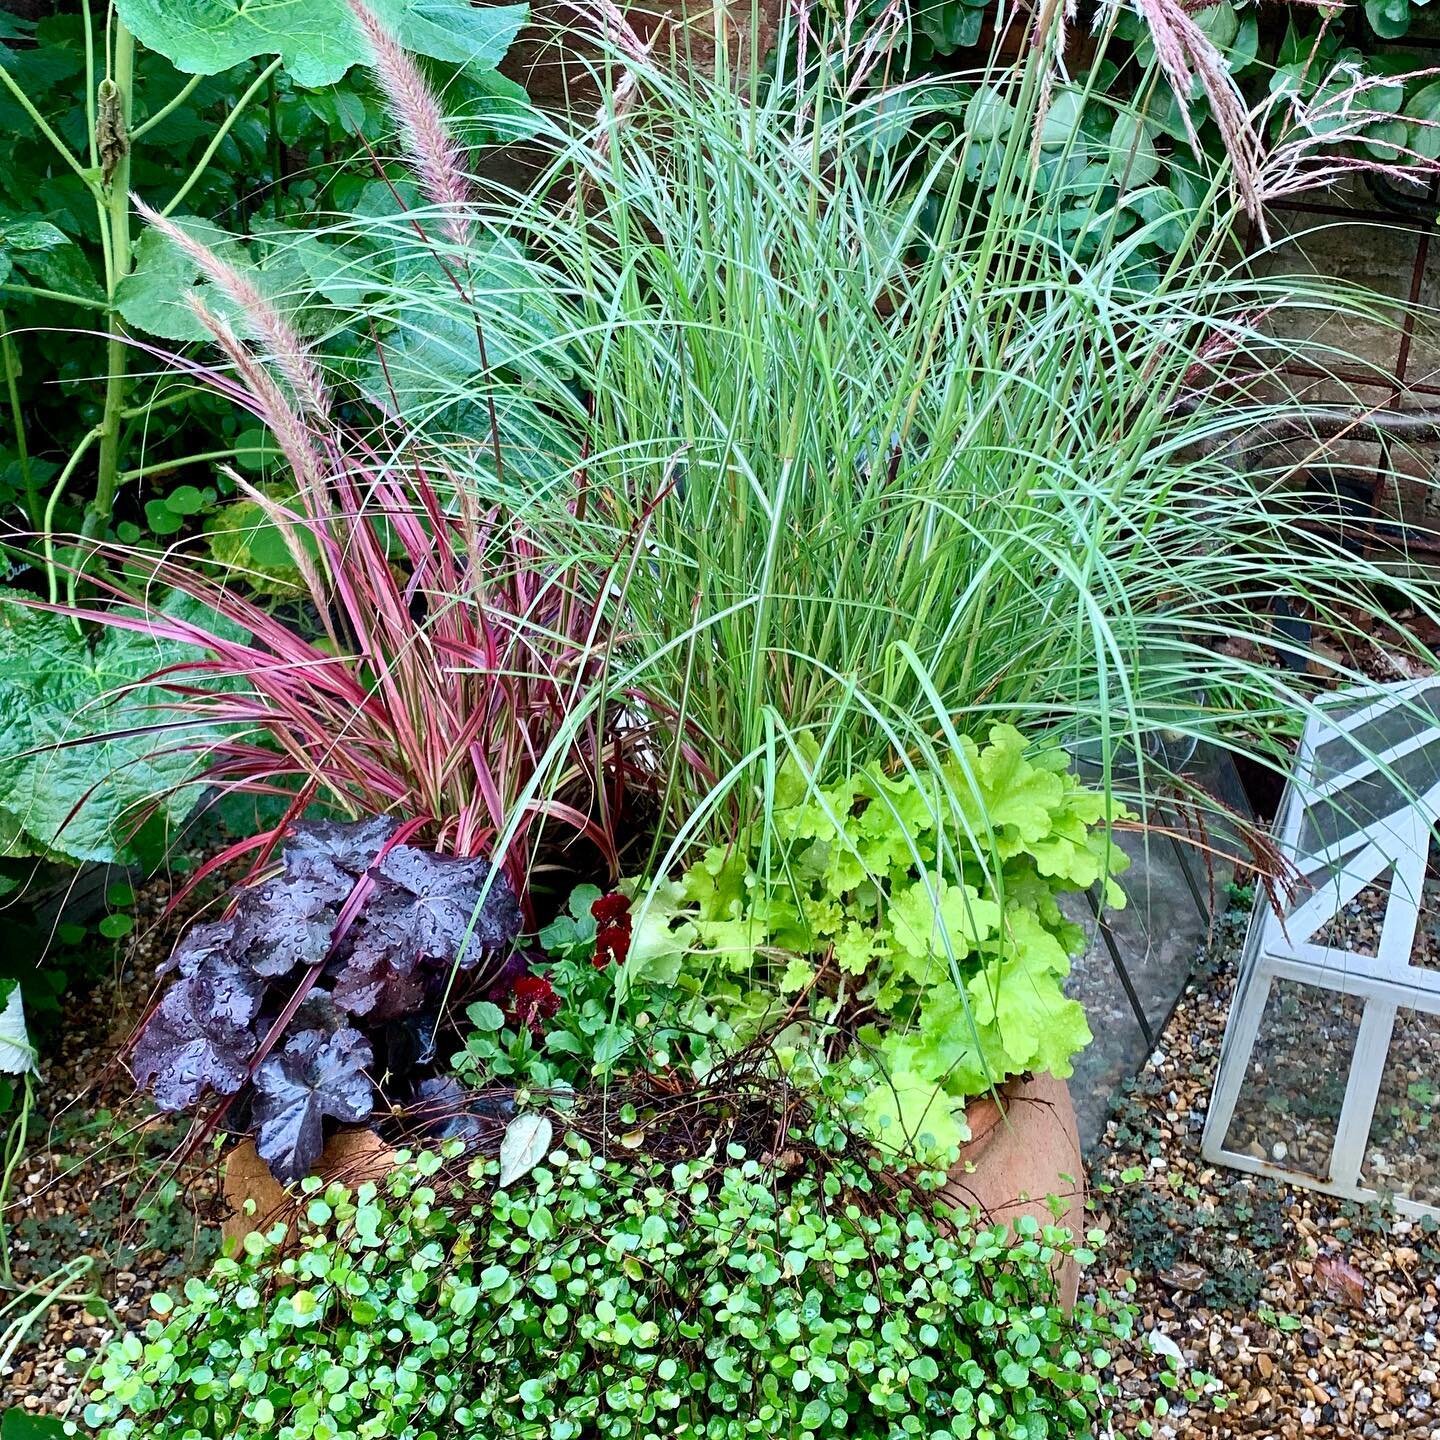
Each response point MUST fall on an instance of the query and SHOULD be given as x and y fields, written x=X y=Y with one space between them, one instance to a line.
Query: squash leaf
x=317 y=40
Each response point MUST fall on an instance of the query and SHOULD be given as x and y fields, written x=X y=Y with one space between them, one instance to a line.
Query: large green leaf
x=1389 y=19
x=44 y=255
x=63 y=706
x=318 y=40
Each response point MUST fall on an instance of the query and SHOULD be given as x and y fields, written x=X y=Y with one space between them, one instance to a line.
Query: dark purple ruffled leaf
x=369 y=984
x=445 y=1111
x=315 y=1076
x=432 y=909
x=198 y=944
x=200 y=1036
x=283 y=924
x=325 y=848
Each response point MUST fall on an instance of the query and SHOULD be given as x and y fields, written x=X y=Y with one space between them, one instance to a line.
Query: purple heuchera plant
x=418 y=915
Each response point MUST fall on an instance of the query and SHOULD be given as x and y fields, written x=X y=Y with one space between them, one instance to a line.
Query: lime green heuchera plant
x=910 y=926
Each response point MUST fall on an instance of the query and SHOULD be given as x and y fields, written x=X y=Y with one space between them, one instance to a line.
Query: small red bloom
x=535 y=1000
x=612 y=935
x=612 y=909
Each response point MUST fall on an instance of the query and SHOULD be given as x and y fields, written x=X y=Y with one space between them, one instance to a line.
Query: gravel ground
x=1316 y=1317
x=98 y=1181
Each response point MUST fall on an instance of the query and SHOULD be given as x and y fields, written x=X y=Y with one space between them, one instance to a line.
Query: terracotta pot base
x=351 y=1156
x=1015 y=1160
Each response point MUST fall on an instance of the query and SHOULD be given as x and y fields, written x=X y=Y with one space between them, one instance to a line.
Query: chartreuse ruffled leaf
x=932 y=899
x=913 y=1115
x=318 y=40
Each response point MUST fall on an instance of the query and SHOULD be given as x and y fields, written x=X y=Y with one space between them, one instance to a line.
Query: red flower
x=613 y=909
x=612 y=934
x=535 y=1001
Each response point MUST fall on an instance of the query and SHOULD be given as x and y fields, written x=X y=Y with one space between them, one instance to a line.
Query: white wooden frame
x=1282 y=947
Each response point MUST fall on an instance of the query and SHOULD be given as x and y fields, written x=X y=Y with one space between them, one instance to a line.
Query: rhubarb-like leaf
x=315 y=1076
x=199 y=1037
x=86 y=758
x=318 y=40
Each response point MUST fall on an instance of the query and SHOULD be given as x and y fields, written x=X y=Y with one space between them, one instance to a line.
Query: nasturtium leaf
x=526 y=1141
x=1062 y=116
x=1220 y=23
x=316 y=1075
x=989 y=114
x=17 y=1054
x=317 y=40
x=1389 y=19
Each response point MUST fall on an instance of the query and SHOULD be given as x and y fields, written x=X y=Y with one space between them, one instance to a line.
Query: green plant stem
x=149 y=407
x=44 y=127
x=162 y=467
x=57 y=490
x=37 y=292
x=14 y=1149
x=203 y=163
x=54 y=1287
x=277 y=149
x=117 y=349
x=88 y=21
x=10 y=366
x=168 y=109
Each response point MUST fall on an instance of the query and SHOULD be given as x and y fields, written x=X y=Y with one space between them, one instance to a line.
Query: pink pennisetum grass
x=424 y=132
x=445 y=672
x=448 y=675
x=465 y=672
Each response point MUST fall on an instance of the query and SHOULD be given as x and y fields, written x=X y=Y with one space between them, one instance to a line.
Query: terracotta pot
x=1017 y=1158
x=552 y=59
x=352 y=1156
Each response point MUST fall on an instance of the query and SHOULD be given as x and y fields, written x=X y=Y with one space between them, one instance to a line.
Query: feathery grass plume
x=437 y=159
x=258 y=392
x=1185 y=53
x=262 y=316
x=1310 y=153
